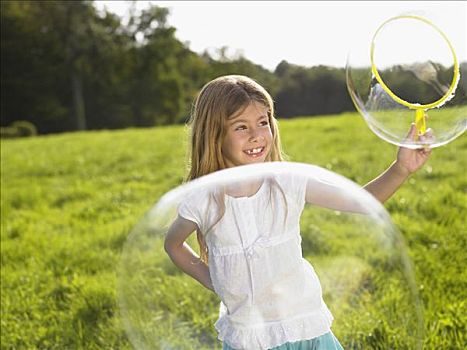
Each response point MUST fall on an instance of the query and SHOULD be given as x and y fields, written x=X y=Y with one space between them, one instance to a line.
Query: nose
x=255 y=135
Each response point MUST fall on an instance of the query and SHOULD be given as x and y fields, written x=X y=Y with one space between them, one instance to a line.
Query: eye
x=240 y=127
x=264 y=122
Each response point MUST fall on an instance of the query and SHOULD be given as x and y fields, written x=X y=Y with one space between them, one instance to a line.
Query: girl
x=271 y=296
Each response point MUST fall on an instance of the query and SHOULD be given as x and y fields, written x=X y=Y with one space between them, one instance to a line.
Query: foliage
x=316 y=91
x=31 y=61
x=19 y=128
x=68 y=202
x=67 y=67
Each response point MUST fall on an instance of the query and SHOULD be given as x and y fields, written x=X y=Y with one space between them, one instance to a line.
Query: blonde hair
x=217 y=101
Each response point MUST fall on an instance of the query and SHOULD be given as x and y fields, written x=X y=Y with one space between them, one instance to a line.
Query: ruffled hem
x=271 y=334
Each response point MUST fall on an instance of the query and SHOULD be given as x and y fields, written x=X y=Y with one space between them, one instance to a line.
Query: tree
x=31 y=61
x=311 y=91
x=47 y=54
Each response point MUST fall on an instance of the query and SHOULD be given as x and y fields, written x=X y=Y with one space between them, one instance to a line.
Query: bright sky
x=304 y=33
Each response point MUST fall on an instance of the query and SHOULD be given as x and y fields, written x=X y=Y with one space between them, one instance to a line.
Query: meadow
x=69 y=201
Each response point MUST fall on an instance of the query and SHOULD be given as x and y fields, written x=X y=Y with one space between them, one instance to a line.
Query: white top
x=270 y=294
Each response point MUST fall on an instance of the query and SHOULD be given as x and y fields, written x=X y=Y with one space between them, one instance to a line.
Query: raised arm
x=386 y=184
x=382 y=187
x=183 y=255
x=408 y=161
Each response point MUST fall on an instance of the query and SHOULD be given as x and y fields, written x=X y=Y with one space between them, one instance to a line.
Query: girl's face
x=248 y=138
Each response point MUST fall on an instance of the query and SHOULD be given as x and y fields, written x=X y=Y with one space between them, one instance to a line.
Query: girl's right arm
x=181 y=253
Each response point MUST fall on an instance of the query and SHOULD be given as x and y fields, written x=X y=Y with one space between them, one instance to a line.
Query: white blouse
x=270 y=294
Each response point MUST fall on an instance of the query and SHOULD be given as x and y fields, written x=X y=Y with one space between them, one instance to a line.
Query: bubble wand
x=420 y=120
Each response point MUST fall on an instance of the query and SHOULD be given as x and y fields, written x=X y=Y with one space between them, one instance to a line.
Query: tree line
x=65 y=66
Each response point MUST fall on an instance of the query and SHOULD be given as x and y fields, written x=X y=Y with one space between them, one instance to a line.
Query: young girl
x=271 y=297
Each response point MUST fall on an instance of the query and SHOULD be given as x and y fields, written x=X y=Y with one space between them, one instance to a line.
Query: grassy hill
x=68 y=202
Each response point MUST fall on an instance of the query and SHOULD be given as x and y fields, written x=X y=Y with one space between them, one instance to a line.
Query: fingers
x=426 y=151
x=427 y=137
x=412 y=134
x=417 y=136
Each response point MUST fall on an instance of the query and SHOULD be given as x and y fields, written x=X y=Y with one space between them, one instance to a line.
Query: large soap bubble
x=409 y=72
x=346 y=236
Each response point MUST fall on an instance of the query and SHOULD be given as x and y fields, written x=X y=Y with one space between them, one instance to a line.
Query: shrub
x=19 y=128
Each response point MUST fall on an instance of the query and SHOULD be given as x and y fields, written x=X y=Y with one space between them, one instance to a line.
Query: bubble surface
x=410 y=65
x=347 y=239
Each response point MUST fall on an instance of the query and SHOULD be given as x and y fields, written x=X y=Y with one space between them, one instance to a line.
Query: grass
x=69 y=201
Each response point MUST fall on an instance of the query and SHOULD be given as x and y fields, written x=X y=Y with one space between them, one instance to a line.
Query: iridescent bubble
x=409 y=72
x=350 y=250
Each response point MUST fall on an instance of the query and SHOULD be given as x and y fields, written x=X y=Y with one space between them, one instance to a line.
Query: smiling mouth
x=255 y=152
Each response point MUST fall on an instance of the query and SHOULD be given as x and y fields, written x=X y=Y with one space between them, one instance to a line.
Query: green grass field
x=69 y=201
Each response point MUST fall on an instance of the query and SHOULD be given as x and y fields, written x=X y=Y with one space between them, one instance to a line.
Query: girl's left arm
x=408 y=161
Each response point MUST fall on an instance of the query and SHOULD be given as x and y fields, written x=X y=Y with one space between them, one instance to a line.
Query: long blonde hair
x=217 y=101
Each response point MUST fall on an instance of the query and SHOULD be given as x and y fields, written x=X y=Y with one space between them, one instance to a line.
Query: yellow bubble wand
x=420 y=122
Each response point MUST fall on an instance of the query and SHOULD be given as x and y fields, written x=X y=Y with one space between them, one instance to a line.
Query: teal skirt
x=325 y=342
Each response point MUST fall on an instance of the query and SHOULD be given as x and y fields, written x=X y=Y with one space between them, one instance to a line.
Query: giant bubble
x=408 y=72
x=348 y=243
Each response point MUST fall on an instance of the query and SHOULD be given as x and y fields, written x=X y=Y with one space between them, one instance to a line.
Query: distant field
x=69 y=201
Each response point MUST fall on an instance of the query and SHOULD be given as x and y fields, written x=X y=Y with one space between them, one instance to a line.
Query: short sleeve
x=300 y=183
x=201 y=208
x=189 y=210
x=295 y=187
